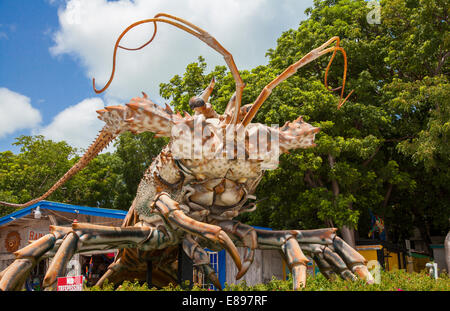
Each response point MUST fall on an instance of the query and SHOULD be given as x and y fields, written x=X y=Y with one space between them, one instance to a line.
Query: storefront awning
x=62 y=207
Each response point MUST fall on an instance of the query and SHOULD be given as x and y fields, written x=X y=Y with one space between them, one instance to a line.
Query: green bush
x=398 y=280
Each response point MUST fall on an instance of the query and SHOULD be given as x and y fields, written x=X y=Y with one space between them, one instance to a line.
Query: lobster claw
x=170 y=209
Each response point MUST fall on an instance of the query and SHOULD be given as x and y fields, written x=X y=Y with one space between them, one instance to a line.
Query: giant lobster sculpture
x=193 y=189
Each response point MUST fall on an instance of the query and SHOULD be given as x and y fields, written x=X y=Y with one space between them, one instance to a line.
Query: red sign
x=70 y=283
x=110 y=255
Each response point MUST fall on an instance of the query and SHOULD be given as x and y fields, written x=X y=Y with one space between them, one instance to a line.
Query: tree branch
x=334 y=183
x=441 y=63
x=365 y=163
x=386 y=197
x=309 y=180
x=385 y=202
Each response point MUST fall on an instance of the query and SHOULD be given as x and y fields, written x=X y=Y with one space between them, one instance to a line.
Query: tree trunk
x=348 y=234
x=385 y=203
x=422 y=225
x=310 y=180
x=447 y=252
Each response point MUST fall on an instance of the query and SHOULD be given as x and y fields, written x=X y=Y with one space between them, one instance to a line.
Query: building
x=420 y=250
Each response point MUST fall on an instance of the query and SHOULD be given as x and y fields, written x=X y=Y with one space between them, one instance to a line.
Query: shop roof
x=62 y=207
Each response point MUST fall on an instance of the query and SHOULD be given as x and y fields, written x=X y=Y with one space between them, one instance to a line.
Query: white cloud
x=5 y=29
x=89 y=28
x=16 y=112
x=77 y=125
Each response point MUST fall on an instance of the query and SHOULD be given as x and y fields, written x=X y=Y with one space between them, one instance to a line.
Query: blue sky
x=27 y=67
x=51 y=49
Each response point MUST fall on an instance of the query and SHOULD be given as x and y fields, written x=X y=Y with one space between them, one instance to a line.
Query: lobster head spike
x=297 y=134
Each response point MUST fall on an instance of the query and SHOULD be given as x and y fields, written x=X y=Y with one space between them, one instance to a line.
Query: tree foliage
x=372 y=153
x=41 y=163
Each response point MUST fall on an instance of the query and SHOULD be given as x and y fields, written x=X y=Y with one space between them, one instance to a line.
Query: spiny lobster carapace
x=193 y=189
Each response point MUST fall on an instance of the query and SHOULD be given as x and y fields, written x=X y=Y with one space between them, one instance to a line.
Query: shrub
x=398 y=280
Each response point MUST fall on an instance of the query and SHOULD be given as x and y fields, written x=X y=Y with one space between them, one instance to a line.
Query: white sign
x=74 y=267
x=70 y=283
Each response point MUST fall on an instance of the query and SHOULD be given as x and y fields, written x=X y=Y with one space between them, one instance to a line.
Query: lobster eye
x=196 y=102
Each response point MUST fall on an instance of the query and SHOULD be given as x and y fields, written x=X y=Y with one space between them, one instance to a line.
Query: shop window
x=34 y=281
x=199 y=278
x=94 y=266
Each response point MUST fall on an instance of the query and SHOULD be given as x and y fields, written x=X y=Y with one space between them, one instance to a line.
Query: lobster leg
x=329 y=262
x=172 y=212
x=353 y=259
x=132 y=263
x=287 y=242
x=313 y=242
x=338 y=257
x=79 y=238
x=200 y=259
x=324 y=267
x=87 y=237
x=330 y=252
x=14 y=276
x=246 y=235
x=334 y=252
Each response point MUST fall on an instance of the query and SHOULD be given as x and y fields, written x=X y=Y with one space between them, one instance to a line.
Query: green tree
x=386 y=150
x=41 y=163
x=194 y=81
x=371 y=152
x=135 y=153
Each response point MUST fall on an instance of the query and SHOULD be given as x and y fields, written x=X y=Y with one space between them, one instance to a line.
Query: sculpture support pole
x=185 y=268
x=447 y=251
x=149 y=273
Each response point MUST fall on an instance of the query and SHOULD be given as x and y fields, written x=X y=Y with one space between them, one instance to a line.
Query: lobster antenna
x=193 y=30
x=145 y=44
x=344 y=54
x=312 y=55
x=116 y=46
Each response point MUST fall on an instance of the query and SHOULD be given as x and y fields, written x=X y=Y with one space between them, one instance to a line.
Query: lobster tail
x=102 y=141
